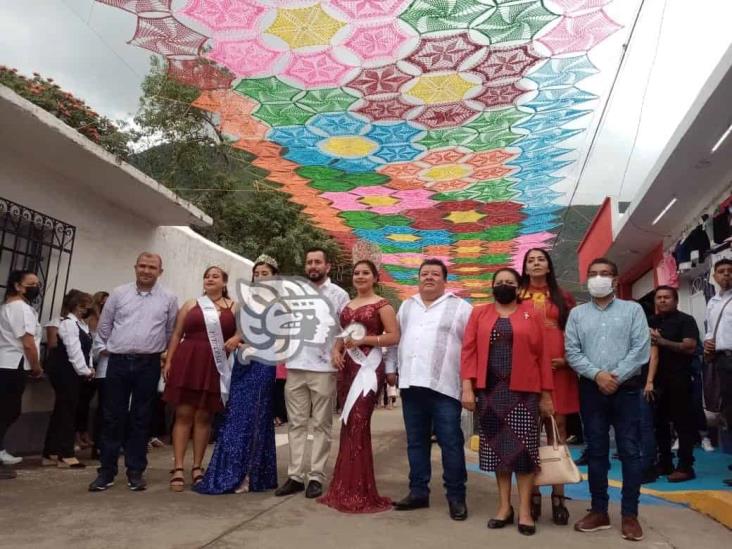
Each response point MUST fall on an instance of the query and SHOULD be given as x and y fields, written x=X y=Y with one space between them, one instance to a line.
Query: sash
x=365 y=380
x=223 y=363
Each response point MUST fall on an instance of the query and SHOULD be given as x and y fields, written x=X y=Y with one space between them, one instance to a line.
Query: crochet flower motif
x=312 y=46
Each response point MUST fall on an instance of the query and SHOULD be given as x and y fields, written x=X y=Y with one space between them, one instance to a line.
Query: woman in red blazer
x=504 y=363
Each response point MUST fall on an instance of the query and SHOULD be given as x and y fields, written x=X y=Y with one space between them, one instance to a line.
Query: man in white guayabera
x=432 y=324
x=309 y=391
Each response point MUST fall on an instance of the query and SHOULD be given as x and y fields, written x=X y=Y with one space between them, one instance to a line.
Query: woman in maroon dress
x=539 y=287
x=353 y=488
x=191 y=376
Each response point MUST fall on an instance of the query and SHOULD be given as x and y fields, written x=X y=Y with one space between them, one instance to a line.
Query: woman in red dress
x=192 y=380
x=353 y=488
x=539 y=286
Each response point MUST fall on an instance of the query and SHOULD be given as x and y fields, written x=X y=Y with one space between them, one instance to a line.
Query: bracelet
x=378 y=341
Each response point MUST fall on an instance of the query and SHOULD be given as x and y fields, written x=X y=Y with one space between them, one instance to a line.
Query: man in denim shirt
x=607 y=342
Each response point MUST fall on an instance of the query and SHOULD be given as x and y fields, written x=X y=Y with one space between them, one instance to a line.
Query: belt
x=136 y=356
x=724 y=353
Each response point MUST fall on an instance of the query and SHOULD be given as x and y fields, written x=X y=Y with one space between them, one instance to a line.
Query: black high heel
x=526 y=529
x=495 y=523
x=560 y=513
x=536 y=506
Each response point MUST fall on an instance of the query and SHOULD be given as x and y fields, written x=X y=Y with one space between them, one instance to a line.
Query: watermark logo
x=280 y=316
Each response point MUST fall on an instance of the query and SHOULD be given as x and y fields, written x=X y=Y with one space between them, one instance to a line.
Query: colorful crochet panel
x=428 y=127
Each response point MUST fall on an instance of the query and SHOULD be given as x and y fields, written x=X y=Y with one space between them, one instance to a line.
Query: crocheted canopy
x=431 y=128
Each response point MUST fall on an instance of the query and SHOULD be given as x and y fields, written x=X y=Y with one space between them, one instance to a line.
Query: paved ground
x=51 y=508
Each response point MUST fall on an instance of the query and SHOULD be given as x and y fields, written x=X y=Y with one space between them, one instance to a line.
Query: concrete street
x=48 y=507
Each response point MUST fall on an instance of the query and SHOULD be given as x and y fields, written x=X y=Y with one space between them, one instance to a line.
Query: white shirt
x=68 y=333
x=17 y=319
x=432 y=339
x=317 y=359
x=100 y=360
x=724 y=334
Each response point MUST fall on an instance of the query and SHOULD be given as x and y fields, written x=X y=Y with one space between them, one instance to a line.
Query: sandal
x=196 y=477
x=536 y=505
x=177 y=481
x=243 y=487
x=560 y=513
x=70 y=463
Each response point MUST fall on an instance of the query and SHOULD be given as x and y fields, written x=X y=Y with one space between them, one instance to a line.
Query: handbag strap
x=555 y=431
x=719 y=319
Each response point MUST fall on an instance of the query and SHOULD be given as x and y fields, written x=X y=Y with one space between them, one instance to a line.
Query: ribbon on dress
x=365 y=380
x=223 y=363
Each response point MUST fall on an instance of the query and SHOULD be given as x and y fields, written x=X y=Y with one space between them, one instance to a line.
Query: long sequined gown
x=246 y=443
x=353 y=488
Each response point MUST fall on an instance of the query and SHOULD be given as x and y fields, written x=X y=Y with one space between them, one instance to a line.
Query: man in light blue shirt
x=607 y=343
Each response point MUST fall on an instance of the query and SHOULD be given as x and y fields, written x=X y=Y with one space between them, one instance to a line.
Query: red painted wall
x=639 y=268
x=597 y=239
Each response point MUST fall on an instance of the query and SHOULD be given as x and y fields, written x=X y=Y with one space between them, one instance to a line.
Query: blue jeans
x=620 y=410
x=130 y=390
x=648 y=433
x=424 y=408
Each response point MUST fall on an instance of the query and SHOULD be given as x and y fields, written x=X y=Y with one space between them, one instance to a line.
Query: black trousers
x=675 y=407
x=66 y=384
x=86 y=394
x=12 y=385
x=723 y=363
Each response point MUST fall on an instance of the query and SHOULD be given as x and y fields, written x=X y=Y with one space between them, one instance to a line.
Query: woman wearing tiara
x=353 y=488
x=244 y=458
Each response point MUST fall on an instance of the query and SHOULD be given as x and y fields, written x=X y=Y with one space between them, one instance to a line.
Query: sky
x=82 y=45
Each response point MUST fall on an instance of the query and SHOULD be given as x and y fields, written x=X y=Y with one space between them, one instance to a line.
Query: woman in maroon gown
x=353 y=488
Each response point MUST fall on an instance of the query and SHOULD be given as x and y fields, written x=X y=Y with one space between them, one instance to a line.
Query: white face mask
x=600 y=286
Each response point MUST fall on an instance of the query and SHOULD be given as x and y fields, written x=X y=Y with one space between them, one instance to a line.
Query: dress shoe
x=314 y=490
x=410 y=502
x=496 y=523
x=682 y=475
x=527 y=529
x=631 y=529
x=458 y=510
x=592 y=522
x=101 y=483
x=292 y=486
x=135 y=481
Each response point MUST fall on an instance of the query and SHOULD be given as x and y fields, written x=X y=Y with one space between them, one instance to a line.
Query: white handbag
x=557 y=466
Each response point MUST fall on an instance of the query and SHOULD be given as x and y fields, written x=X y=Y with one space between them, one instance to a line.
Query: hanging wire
x=600 y=123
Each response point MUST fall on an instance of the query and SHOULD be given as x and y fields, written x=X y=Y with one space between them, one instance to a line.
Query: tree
x=185 y=151
x=48 y=95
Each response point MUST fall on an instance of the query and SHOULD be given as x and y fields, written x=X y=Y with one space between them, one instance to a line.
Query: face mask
x=600 y=286
x=504 y=294
x=32 y=293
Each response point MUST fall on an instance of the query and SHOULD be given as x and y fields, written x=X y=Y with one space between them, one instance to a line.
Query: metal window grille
x=33 y=241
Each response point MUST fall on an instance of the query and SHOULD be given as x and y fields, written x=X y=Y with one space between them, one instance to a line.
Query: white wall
x=188 y=254
x=110 y=237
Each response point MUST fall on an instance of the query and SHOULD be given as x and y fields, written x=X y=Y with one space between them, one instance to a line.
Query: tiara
x=267 y=260
x=363 y=250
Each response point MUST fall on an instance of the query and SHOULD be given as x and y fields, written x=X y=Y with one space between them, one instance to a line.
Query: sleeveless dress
x=245 y=445
x=353 y=488
x=509 y=420
x=194 y=379
x=566 y=385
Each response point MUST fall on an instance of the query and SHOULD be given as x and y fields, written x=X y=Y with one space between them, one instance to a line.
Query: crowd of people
x=530 y=357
